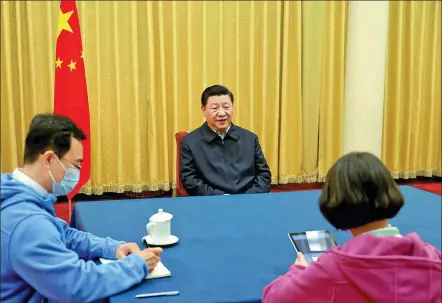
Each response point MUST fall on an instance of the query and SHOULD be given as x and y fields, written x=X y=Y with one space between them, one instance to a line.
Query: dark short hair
x=215 y=90
x=50 y=132
x=358 y=190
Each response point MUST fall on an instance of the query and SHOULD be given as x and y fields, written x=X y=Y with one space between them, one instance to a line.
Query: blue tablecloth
x=231 y=247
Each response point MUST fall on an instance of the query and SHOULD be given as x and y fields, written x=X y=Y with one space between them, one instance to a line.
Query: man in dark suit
x=219 y=157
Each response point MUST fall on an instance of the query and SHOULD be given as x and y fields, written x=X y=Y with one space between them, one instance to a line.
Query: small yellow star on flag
x=63 y=23
x=58 y=62
x=72 y=65
x=82 y=53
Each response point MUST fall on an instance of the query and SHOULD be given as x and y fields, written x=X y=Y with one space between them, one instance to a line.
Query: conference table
x=231 y=247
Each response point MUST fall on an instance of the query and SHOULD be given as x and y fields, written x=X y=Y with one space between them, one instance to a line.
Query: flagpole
x=70 y=209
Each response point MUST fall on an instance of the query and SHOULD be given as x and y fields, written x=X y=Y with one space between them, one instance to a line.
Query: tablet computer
x=312 y=244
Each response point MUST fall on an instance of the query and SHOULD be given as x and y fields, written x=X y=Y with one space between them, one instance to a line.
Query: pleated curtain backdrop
x=27 y=72
x=412 y=109
x=147 y=63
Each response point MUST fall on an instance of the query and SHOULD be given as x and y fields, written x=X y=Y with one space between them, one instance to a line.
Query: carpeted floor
x=62 y=209
x=435 y=188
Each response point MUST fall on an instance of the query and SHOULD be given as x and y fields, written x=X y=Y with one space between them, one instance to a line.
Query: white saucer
x=172 y=240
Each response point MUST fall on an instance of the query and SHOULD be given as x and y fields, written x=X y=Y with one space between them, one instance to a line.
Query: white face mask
x=70 y=180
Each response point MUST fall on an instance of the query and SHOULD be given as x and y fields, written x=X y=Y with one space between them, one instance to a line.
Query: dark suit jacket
x=212 y=166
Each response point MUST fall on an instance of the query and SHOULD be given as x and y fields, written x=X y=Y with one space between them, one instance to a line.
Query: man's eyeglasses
x=75 y=165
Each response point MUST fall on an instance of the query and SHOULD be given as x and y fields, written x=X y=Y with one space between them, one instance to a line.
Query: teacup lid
x=161 y=216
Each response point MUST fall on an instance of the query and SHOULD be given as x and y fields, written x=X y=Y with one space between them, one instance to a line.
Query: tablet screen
x=312 y=243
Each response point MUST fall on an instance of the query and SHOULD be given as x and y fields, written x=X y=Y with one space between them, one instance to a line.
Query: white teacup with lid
x=159 y=229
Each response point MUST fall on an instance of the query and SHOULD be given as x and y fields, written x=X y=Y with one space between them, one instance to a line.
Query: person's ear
x=48 y=156
x=203 y=111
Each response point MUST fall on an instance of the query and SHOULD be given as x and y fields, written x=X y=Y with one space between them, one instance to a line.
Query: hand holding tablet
x=311 y=244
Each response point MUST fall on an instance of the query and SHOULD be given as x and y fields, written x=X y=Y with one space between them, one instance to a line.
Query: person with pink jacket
x=378 y=264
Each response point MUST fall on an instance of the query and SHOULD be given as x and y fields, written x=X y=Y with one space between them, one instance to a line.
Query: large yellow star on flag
x=72 y=65
x=63 y=23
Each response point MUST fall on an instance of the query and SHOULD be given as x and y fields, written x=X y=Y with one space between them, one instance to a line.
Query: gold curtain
x=324 y=43
x=147 y=63
x=291 y=124
x=146 y=79
x=412 y=109
x=27 y=81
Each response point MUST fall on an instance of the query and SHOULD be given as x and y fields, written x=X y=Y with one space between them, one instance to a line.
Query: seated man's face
x=71 y=159
x=218 y=112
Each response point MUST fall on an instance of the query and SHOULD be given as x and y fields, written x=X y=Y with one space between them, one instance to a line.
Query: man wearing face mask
x=42 y=259
x=219 y=157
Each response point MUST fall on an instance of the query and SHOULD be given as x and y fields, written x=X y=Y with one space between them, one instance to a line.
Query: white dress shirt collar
x=18 y=175
x=223 y=134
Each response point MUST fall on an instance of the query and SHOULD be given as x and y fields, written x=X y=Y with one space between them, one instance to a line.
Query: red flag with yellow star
x=70 y=93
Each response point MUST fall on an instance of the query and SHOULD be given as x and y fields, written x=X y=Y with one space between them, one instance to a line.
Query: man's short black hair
x=215 y=90
x=359 y=189
x=50 y=132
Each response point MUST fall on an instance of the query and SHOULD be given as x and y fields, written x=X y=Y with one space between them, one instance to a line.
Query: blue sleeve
x=40 y=257
x=88 y=246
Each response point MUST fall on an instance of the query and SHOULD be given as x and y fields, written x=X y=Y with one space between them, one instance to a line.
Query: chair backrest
x=180 y=191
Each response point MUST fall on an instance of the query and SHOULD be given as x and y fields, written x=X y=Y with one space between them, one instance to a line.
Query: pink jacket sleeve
x=300 y=284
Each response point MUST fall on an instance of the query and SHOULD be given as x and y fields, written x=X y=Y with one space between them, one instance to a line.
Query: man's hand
x=151 y=256
x=126 y=249
x=301 y=260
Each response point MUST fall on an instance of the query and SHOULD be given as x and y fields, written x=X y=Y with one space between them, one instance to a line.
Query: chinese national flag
x=70 y=93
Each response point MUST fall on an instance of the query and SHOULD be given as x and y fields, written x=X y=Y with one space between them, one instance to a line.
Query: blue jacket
x=43 y=258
